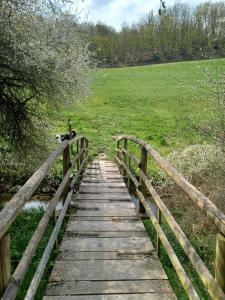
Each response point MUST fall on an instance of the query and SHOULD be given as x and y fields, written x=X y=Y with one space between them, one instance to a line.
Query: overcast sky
x=117 y=12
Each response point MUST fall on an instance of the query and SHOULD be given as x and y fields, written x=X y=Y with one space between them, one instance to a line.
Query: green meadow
x=150 y=102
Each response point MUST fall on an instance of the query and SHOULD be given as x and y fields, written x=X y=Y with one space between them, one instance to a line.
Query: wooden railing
x=9 y=284
x=142 y=184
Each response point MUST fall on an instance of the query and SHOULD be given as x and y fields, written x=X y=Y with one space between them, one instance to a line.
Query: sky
x=117 y=12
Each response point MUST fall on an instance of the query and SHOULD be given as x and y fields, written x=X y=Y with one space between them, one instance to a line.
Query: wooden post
x=143 y=167
x=70 y=128
x=125 y=157
x=118 y=147
x=78 y=161
x=71 y=136
x=129 y=180
x=66 y=165
x=86 y=142
x=53 y=220
x=118 y=144
x=82 y=144
x=5 y=262
x=220 y=261
x=158 y=242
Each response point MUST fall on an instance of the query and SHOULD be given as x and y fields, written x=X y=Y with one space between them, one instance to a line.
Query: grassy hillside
x=146 y=101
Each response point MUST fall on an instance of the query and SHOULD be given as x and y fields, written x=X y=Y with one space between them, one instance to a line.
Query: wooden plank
x=107 y=287
x=102 y=176
x=115 y=297
x=74 y=256
x=109 y=270
x=105 y=212
x=114 y=201
x=116 y=225
x=102 y=169
x=106 y=244
x=103 y=196
x=103 y=218
x=106 y=234
x=101 y=180
x=103 y=184
x=103 y=206
x=102 y=189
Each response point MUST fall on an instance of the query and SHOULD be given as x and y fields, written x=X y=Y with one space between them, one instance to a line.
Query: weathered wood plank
x=103 y=218
x=106 y=244
x=85 y=211
x=146 y=296
x=117 y=225
x=112 y=201
x=109 y=270
x=103 y=206
x=103 y=189
x=103 y=196
x=103 y=184
x=74 y=256
x=103 y=176
x=93 y=179
x=106 y=234
x=115 y=297
x=107 y=287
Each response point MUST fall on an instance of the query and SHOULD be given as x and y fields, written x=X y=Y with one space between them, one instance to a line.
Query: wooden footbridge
x=106 y=252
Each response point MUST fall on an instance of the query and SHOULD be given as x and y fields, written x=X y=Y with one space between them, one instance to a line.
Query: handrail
x=144 y=185
x=205 y=204
x=15 y=205
x=11 y=210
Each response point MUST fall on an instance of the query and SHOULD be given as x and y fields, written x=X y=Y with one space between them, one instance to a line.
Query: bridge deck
x=106 y=253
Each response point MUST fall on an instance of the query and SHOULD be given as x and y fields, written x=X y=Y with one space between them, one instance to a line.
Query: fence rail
x=142 y=184
x=9 y=284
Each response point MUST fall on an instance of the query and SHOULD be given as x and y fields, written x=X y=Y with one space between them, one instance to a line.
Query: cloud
x=117 y=12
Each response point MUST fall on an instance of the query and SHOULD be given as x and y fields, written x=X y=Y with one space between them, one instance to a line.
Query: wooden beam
x=125 y=156
x=143 y=168
x=66 y=166
x=5 y=262
x=220 y=261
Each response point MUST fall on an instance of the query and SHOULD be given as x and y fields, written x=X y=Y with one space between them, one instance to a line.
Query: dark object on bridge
x=63 y=137
x=164 y=4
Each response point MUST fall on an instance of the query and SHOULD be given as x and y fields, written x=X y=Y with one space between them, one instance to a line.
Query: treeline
x=182 y=33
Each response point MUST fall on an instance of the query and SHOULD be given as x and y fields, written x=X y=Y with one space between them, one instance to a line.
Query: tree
x=44 y=62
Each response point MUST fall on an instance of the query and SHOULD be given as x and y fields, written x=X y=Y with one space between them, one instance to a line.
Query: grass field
x=147 y=102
